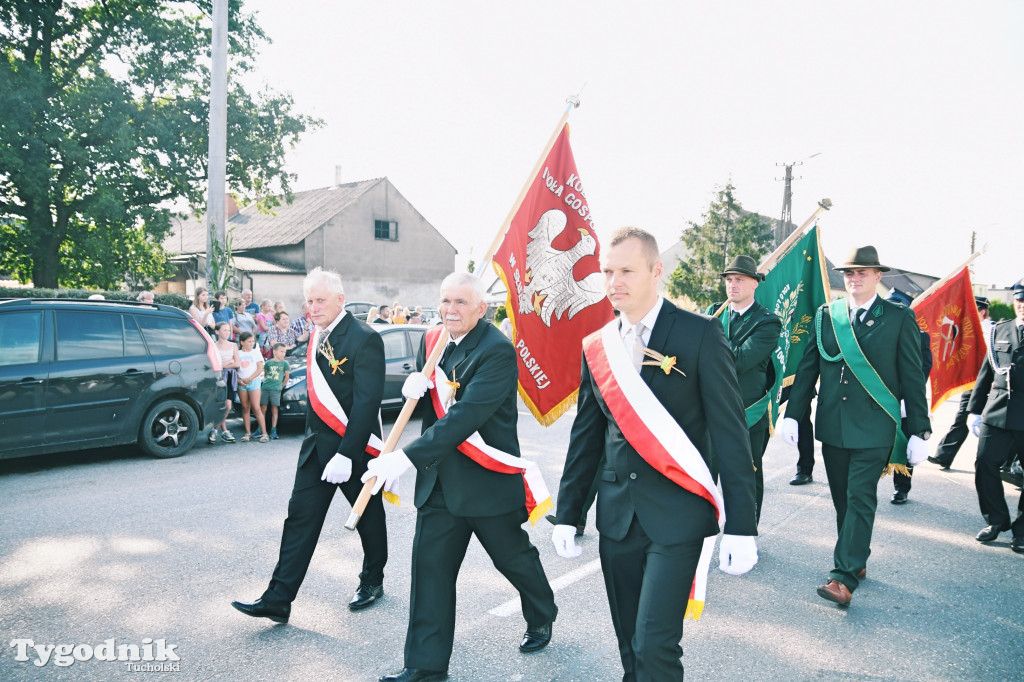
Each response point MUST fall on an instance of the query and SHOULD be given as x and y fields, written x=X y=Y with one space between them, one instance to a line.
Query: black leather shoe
x=1017 y=544
x=936 y=460
x=536 y=638
x=416 y=675
x=261 y=609
x=365 y=595
x=899 y=497
x=802 y=479
x=990 y=533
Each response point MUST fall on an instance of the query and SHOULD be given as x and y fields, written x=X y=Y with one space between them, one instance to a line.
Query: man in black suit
x=753 y=335
x=342 y=420
x=459 y=495
x=997 y=418
x=656 y=507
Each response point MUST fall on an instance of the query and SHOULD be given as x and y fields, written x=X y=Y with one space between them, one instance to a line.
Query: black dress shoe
x=990 y=533
x=416 y=675
x=536 y=638
x=802 y=479
x=936 y=460
x=899 y=497
x=1017 y=544
x=365 y=595
x=262 y=609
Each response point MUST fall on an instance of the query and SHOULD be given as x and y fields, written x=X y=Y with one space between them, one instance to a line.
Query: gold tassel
x=539 y=511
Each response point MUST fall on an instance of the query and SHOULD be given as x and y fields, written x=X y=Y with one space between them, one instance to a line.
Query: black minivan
x=78 y=374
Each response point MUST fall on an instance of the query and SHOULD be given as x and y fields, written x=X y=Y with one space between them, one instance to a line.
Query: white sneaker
x=213 y=437
x=228 y=437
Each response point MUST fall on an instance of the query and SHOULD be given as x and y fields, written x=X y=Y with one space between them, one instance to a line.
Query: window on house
x=385 y=229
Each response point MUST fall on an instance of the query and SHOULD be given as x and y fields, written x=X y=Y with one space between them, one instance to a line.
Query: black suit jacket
x=359 y=388
x=753 y=339
x=705 y=403
x=991 y=397
x=484 y=364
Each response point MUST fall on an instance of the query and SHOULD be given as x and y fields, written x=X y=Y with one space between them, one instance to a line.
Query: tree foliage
x=105 y=126
x=727 y=231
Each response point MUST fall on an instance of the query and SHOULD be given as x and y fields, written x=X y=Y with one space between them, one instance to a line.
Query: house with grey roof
x=382 y=247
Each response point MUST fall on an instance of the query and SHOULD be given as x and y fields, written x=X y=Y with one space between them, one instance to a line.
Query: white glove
x=338 y=470
x=737 y=554
x=564 y=539
x=903 y=408
x=387 y=468
x=416 y=386
x=917 y=451
x=790 y=431
x=974 y=424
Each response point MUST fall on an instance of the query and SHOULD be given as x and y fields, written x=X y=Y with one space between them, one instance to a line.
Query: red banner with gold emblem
x=950 y=317
x=549 y=263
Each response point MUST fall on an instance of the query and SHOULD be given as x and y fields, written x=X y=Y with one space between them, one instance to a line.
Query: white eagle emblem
x=550 y=287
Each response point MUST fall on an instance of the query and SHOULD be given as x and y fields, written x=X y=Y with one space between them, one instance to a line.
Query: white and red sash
x=326 y=405
x=442 y=396
x=656 y=436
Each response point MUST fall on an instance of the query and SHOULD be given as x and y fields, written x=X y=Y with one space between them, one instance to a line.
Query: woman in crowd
x=282 y=332
x=201 y=310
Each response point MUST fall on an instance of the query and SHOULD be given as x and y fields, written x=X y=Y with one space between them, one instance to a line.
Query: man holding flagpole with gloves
x=658 y=390
x=867 y=353
x=470 y=481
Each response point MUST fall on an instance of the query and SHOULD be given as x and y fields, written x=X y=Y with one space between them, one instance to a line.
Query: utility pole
x=217 y=161
x=785 y=226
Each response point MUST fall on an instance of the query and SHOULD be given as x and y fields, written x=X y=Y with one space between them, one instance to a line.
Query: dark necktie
x=1020 y=334
x=855 y=318
x=446 y=356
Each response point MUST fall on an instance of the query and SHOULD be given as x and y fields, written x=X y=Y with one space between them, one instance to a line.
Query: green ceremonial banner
x=793 y=290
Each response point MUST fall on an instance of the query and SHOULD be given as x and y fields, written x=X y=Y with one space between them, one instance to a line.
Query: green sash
x=754 y=412
x=849 y=350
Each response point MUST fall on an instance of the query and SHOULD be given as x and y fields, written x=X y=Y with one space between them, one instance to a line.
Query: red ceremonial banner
x=950 y=317
x=549 y=263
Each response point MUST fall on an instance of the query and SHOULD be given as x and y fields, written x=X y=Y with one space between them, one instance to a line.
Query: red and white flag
x=950 y=316
x=548 y=261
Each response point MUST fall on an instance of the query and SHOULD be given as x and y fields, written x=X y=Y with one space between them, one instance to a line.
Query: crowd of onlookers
x=396 y=314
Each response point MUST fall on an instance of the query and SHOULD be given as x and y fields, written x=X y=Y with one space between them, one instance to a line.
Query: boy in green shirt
x=275 y=374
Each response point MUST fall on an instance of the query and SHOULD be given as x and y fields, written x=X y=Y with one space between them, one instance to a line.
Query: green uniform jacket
x=847 y=417
x=753 y=339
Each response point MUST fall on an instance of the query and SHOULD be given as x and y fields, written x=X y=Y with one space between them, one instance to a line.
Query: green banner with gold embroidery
x=793 y=290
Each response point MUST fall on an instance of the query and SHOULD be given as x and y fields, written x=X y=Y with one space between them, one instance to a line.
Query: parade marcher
x=805 y=446
x=902 y=481
x=345 y=377
x=753 y=334
x=997 y=418
x=867 y=353
x=957 y=434
x=654 y=427
x=461 y=488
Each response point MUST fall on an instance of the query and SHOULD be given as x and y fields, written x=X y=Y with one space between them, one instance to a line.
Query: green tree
x=104 y=126
x=727 y=231
x=999 y=311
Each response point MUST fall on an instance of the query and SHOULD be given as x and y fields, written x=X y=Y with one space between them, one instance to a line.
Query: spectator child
x=201 y=310
x=229 y=360
x=250 y=378
x=244 y=321
x=276 y=374
x=221 y=311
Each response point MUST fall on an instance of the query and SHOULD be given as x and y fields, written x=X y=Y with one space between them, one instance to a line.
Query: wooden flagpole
x=775 y=256
x=935 y=287
x=403 y=418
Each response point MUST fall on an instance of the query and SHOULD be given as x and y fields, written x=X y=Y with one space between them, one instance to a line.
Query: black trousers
x=994 y=447
x=805 y=446
x=758 y=444
x=307 y=508
x=957 y=434
x=648 y=586
x=437 y=553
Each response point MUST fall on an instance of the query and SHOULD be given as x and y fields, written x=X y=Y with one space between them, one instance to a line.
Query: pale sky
x=916 y=108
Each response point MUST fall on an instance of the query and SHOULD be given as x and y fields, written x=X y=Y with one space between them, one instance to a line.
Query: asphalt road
x=113 y=545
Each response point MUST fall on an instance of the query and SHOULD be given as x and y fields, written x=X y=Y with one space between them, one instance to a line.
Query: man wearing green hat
x=753 y=334
x=866 y=352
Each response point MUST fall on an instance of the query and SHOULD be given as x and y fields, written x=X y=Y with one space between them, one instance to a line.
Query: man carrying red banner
x=345 y=377
x=469 y=481
x=658 y=390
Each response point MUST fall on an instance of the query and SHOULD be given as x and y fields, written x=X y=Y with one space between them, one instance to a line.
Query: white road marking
x=512 y=606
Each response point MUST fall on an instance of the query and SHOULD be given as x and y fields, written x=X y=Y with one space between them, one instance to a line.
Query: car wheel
x=169 y=429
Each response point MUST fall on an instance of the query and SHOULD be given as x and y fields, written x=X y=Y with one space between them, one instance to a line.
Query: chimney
x=337 y=175
x=230 y=207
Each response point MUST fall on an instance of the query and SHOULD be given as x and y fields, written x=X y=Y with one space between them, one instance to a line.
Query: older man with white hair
x=345 y=384
x=461 y=488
